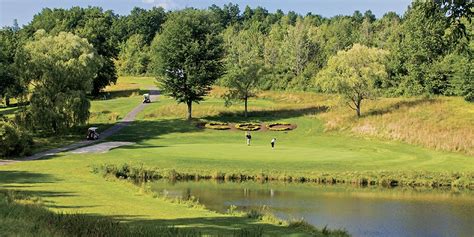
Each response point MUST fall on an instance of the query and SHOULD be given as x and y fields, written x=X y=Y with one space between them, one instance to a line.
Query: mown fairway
x=166 y=141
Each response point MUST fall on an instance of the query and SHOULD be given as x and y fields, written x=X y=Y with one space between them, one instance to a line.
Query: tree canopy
x=354 y=74
x=61 y=69
x=243 y=62
x=91 y=23
x=188 y=54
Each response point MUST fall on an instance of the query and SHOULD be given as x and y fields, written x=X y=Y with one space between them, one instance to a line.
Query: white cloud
x=166 y=4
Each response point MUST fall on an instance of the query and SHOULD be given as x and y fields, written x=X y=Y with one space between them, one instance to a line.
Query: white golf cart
x=92 y=133
x=146 y=98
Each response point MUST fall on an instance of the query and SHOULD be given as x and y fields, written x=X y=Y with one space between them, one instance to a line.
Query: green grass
x=66 y=184
x=167 y=142
x=121 y=98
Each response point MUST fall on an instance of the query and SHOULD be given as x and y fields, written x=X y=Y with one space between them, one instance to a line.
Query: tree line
x=64 y=56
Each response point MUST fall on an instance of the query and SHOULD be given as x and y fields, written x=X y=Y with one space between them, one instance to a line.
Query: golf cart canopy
x=93 y=129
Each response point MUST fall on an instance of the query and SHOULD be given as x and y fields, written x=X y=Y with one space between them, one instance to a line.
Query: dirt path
x=129 y=118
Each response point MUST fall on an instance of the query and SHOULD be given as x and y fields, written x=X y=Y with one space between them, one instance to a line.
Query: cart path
x=129 y=118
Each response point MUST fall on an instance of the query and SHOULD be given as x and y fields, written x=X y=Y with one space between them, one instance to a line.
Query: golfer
x=248 y=136
x=273 y=143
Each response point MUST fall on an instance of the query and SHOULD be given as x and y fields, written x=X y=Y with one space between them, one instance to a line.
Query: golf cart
x=146 y=98
x=92 y=133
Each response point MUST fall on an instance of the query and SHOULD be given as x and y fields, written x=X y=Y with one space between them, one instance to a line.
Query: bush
x=217 y=125
x=272 y=126
x=248 y=126
x=13 y=141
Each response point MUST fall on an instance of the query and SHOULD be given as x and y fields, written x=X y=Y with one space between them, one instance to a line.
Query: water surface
x=361 y=211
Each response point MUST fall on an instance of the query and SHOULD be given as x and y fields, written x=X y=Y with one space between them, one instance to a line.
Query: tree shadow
x=220 y=226
x=23 y=177
x=107 y=95
x=397 y=106
x=17 y=181
x=267 y=115
x=142 y=130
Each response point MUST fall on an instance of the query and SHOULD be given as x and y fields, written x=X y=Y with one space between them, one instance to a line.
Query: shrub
x=217 y=125
x=248 y=126
x=13 y=140
x=272 y=126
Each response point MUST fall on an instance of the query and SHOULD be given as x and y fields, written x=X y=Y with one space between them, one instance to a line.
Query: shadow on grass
x=142 y=130
x=222 y=226
x=107 y=95
x=23 y=177
x=17 y=181
x=267 y=115
x=397 y=106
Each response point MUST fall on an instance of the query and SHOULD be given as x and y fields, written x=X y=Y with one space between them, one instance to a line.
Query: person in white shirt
x=273 y=143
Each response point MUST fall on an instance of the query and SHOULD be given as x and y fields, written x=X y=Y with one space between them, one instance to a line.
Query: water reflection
x=361 y=211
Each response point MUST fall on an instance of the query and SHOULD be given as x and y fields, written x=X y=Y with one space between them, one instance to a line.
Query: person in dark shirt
x=248 y=137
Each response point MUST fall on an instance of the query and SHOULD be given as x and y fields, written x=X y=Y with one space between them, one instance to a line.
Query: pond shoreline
x=445 y=180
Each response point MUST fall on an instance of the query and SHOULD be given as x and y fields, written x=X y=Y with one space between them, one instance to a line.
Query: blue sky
x=23 y=10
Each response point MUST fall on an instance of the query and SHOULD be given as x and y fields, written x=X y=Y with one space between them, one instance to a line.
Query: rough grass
x=441 y=123
x=23 y=215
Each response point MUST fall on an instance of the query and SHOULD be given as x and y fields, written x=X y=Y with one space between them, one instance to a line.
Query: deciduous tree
x=354 y=74
x=243 y=63
x=188 y=56
x=61 y=69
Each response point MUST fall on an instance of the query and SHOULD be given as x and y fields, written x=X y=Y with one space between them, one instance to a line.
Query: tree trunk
x=245 y=112
x=358 y=108
x=190 y=105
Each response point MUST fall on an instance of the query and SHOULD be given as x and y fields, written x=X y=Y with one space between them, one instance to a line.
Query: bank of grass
x=65 y=184
x=23 y=215
x=141 y=173
x=141 y=176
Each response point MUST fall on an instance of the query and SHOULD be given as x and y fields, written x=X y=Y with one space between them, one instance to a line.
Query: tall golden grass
x=441 y=123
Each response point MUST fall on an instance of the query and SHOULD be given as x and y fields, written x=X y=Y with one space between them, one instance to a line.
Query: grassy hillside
x=166 y=142
x=442 y=123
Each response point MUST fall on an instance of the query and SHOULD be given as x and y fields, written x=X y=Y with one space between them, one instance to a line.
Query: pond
x=361 y=211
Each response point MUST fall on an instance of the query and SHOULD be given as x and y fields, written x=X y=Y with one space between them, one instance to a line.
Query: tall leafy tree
x=133 y=57
x=61 y=69
x=188 y=55
x=140 y=21
x=243 y=62
x=229 y=14
x=10 y=85
x=91 y=23
x=456 y=11
x=354 y=74
x=420 y=44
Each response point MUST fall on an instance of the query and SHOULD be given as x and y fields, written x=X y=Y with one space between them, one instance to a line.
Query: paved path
x=130 y=117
